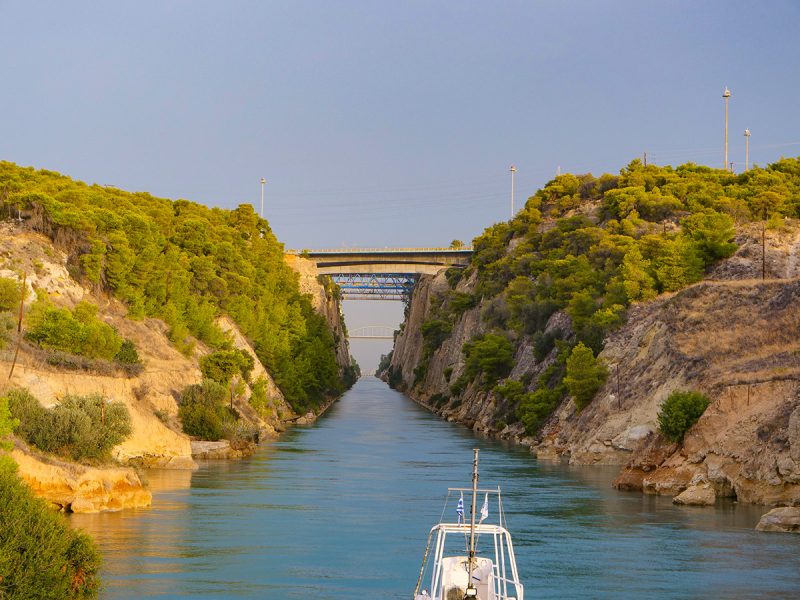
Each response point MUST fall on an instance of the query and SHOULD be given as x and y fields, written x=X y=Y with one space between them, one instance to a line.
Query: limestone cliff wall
x=151 y=396
x=734 y=338
x=325 y=304
x=81 y=489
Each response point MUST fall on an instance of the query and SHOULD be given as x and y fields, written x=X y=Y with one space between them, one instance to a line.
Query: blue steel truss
x=375 y=286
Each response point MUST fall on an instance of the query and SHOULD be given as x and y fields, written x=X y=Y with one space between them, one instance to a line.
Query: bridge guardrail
x=383 y=250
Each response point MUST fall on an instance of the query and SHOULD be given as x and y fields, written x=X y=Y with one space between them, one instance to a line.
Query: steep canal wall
x=120 y=309
x=732 y=337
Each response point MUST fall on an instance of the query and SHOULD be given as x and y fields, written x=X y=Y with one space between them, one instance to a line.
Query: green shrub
x=222 y=365
x=394 y=377
x=536 y=407
x=202 y=410
x=239 y=432
x=77 y=331
x=40 y=555
x=438 y=400
x=7 y=424
x=7 y=327
x=109 y=425
x=420 y=371
x=459 y=385
x=511 y=390
x=490 y=355
x=543 y=342
x=34 y=419
x=434 y=332
x=679 y=412
x=10 y=294
x=386 y=360
x=454 y=275
x=585 y=375
x=258 y=397
x=79 y=428
x=461 y=302
x=127 y=354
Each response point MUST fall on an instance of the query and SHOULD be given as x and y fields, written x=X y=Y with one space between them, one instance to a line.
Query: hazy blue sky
x=381 y=123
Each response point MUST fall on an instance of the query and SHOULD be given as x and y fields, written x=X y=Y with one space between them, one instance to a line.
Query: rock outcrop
x=786 y=519
x=81 y=489
x=697 y=495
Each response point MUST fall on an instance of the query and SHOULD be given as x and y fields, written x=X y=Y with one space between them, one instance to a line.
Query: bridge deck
x=383 y=273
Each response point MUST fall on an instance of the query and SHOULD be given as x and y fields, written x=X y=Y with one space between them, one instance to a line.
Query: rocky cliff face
x=81 y=489
x=325 y=303
x=734 y=339
x=157 y=440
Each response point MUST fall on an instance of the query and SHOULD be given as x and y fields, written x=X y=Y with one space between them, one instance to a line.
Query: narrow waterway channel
x=341 y=510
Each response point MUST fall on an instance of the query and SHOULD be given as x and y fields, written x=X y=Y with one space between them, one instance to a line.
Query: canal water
x=341 y=510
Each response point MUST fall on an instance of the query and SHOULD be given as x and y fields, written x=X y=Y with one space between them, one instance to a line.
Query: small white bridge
x=372 y=332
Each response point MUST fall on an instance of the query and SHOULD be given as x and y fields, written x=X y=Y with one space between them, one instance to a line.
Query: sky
x=381 y=123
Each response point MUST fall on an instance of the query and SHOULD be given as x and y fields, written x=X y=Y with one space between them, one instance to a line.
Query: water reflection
x=341 y=510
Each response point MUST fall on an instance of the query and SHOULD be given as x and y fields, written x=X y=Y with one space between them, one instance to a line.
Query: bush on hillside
x=77 y=331
x=537 y=406
x=10 y=294
x=585 y=375
x=222 y=365
x=491 y=356
x=258 y=397
x=40 y=555
x=127 y=354
x=79 y=428
x=434 y=332
x=202 y=410
x=511 y=390
x=459 y=302
x=679 y=412
x=7 y=327
x=7 y=424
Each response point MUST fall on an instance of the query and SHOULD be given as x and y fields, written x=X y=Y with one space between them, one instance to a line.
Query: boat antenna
x=471 y=592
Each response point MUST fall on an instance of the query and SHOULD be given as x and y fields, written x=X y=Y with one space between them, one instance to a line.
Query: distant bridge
x=383 y=273
x=372 y=332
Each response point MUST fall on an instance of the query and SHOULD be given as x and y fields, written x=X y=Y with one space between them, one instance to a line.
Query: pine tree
x=585 y=375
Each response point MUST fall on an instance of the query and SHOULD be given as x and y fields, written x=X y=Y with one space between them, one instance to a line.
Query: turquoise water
x=342 y=509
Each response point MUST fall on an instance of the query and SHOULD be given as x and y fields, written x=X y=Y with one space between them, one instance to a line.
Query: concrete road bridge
x=383 y=273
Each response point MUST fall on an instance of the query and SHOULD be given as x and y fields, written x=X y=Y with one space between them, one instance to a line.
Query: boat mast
x=471 y=592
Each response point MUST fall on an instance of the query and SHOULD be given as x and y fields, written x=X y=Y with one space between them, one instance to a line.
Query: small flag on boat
x=485 y=508
x=460 y=509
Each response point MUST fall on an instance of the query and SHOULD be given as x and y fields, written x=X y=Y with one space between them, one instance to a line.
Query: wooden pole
x=19 y=324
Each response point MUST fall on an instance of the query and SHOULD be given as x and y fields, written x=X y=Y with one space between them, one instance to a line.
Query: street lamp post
x=746 y=149
x=263 y=181
x=513 y=170
x=726 y=94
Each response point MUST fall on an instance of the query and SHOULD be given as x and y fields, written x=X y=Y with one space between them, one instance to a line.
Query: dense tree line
x=185 y=263
x=591 y=246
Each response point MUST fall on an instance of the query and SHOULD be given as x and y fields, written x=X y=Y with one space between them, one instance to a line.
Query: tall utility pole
x=513 y=170
x=746 y=149
x=727 y=95
x=263 y=181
